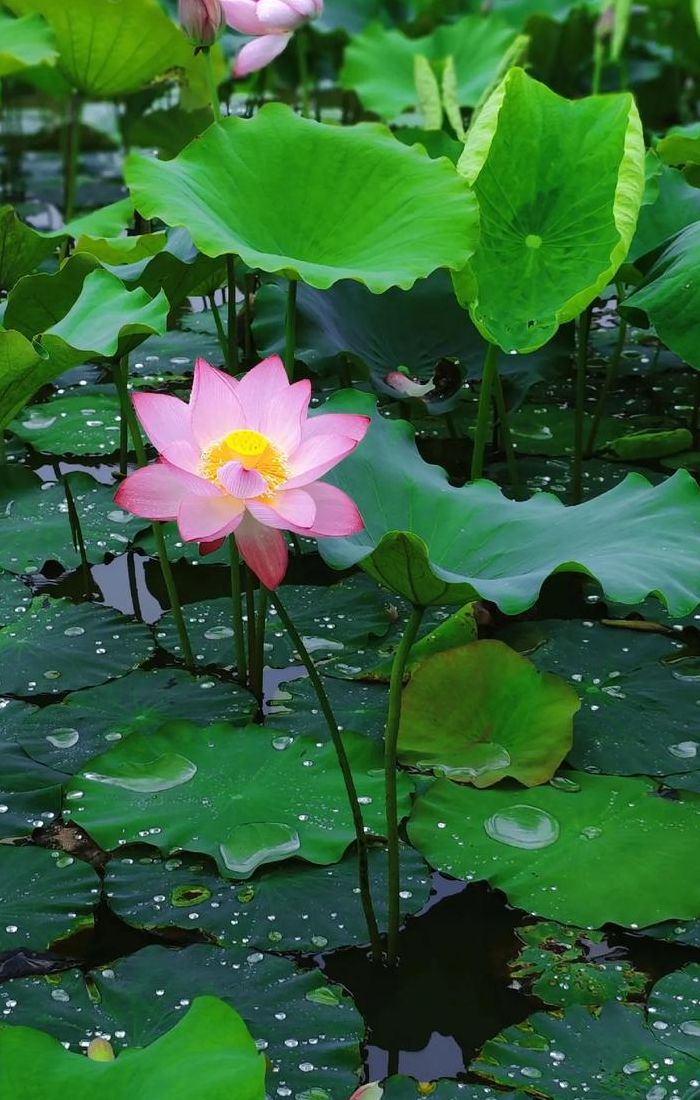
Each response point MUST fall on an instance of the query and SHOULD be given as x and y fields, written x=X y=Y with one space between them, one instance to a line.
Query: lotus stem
x=260 y=619
x=598 y=59
x=236 y=596
x=346 y=771
x=220 y=333
x=232 y=359
x=506 y=437
x=72 y=147
x=211 y=81
x=695 y=414
x=484 y=414
x=583 y=326
x=250 y=621
x=290 y=329
x=391 y=737
x=610 y=376
x=121 y=375
x=302 y=59
x=76 y=529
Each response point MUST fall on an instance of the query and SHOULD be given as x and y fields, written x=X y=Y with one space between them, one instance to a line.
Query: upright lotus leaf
x=669 y=297
x=570 y=855
x=337 y=221
x=559 y=185
x=673 y=206
x=111 y=49
x=482 y=712
x=433 y=543
x=379 y=63
x=680 y=145
x=242 y=796
x=25 y=43
x=22 y=249
x=22 y=373
x=208 y=1053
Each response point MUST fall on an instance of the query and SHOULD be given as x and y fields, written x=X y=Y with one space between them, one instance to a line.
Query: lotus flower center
x=253 y=450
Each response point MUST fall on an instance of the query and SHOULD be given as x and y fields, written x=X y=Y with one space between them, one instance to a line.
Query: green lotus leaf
x=514 y=721
x=379 y=63
x=177 y=268
x=335 y=223
x=584 y=843
x=14 y=598
x=121 y=250
x=44 y=896
x=25 y=43
x=357 y=706
x=433 y=543
x=231 y=794
x=22 y=249
x=22 y=373
x=407 y=1088
x=675 y=206
x=207 y=1053
x=31 y=792
x=559 y=185
x=111 y=49
x=674 y=1001
x=669 y=297
x=680 y=145
x=612 y=1055
x=84 y=423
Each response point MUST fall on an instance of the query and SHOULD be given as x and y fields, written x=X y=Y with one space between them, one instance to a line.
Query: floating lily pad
x=556 y=960
x=481 y=713
x=35 y=525
x=571 y=856
x=674 y=1010
x=379 y=63
x=241 y=796
x=293 y=705
x=79 y=424
x=309 y=1030
x=30 y=793
x=332 y=214
x=559 y=185
x=44 y=896
x=287 y=907
x=610 y=1055
x=14 y=598
x=639 y=695
x=58 y=646
x=209 y=1050
x=433 y=543
x=86 y=723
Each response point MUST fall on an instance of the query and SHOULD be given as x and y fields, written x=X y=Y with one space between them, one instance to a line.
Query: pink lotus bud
x=201 y=20
x=407 y=386
x=373 y=1091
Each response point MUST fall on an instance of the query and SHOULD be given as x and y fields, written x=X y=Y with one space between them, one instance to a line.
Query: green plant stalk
x=3 y=451
x=248 y=329
x=220 y=333
x=582 y=326
x=74 y=520
x=232 y=317
x=133 y=585
x=303 y=63
x=250 y=622
x=610 y=376
x=391 y=737
x=290 y=329
x=236 y=596
x=695 y=412
x=346 y=771
x=506 y=437
x=211 y=82
x=166 y=570
x=598 y=60
x=70 y=181
x=483 y=418
x=261 y=618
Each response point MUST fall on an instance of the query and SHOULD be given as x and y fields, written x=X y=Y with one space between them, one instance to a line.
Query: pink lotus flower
x=273 y=23
x=201 y=20
x=373 y=1091
x=244 y=456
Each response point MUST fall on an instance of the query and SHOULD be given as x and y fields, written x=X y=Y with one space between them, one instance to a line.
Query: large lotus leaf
x=293 y=704
x=336 y=221
x=207 y=1053
x=43 y=895
x=79 y=423
x=59 y=646
x=613 y=1055
x=109 y=50
x=433 y=543
x=25 y=43
x=68 y=734
x=286 y=907
x=35 y=526
x=22 y=249
x=14 y=598
x=676 y=205
x=639 y=712
x=670 y=296
x=309 y=1030
x=582 y=857
x=559 y=185
x=557 y=961
x=30 y=793
x=178 y=269
x=20 y=366
x=674 y=1010
x=379 y=63
x=41 y=300
x=481 y=713
x=241 y=796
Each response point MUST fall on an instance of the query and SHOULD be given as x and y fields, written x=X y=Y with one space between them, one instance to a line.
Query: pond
x=349 y=543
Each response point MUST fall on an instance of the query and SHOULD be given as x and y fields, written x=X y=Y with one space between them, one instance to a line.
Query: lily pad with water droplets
x=406 y=1088
x=480 y=713
x=674 y=1010
x=433 y=543
x=14 y=598
x=230 y=794
x=59 y=646
x=571 y=856
x=335 y=222
x=208 y=1049
x=614 y=1055
x=77 y=424
x=287 y=907
x=30 y=793
x=43 y=896
x=292 y=705
x=308 y=1030
x=65 y=736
